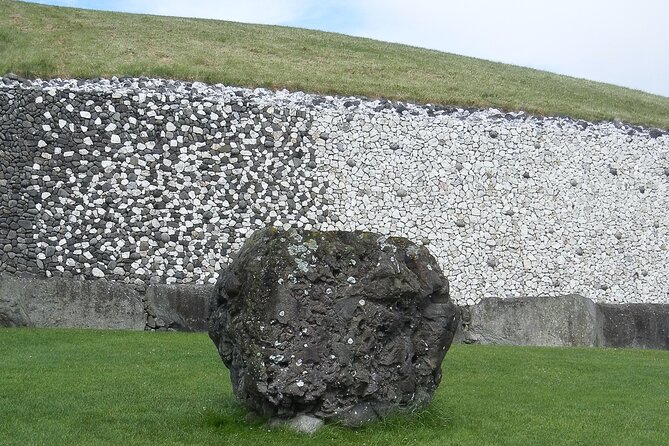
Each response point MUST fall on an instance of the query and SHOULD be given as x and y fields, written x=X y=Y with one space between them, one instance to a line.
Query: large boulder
x=344 y=326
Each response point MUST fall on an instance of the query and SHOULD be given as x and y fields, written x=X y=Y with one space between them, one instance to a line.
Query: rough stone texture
x=178 y=307
x=148 y=180
x=34 y=302
x=633 y=325
x=304 y=424
x=548 y=321
x=344 y=326
x=12 y=312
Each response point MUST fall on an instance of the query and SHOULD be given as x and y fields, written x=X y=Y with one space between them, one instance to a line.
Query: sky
x=622 y=42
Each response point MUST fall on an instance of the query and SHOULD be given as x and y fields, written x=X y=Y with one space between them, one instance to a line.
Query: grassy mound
x=111 y=387
x=45 y=41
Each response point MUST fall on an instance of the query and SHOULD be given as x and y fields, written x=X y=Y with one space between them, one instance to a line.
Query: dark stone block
x=179 y=307
x=633 y=325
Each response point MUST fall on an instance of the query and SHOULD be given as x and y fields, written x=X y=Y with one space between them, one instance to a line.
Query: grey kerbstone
x=181 y=307
x=549 y=321
x=58 y=302
x=633 y=325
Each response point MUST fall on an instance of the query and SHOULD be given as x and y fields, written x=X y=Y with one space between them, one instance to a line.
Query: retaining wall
x=30 y=301
x=148 y=181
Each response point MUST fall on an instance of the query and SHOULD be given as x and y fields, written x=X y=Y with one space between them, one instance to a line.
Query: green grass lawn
x=44 y=41
x=111 y=387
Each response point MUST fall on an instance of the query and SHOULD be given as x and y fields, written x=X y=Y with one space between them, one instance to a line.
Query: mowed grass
x=112 y=387
x=44 y=41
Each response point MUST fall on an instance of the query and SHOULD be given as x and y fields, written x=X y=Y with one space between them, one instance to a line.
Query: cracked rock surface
x=343 y=326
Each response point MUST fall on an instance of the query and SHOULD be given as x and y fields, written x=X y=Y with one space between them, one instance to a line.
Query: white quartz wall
x=545 y=207
x=510 y=204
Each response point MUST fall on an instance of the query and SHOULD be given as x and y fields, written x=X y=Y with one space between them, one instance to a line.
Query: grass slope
x=44 y=41
x=110 y=387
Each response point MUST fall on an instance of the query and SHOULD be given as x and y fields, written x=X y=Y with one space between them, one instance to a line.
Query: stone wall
x=149 y=181
x=564 y=321
x=68 y=303
x=33 y=301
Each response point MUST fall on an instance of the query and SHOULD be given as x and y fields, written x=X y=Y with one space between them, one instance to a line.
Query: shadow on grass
x=229 y=413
